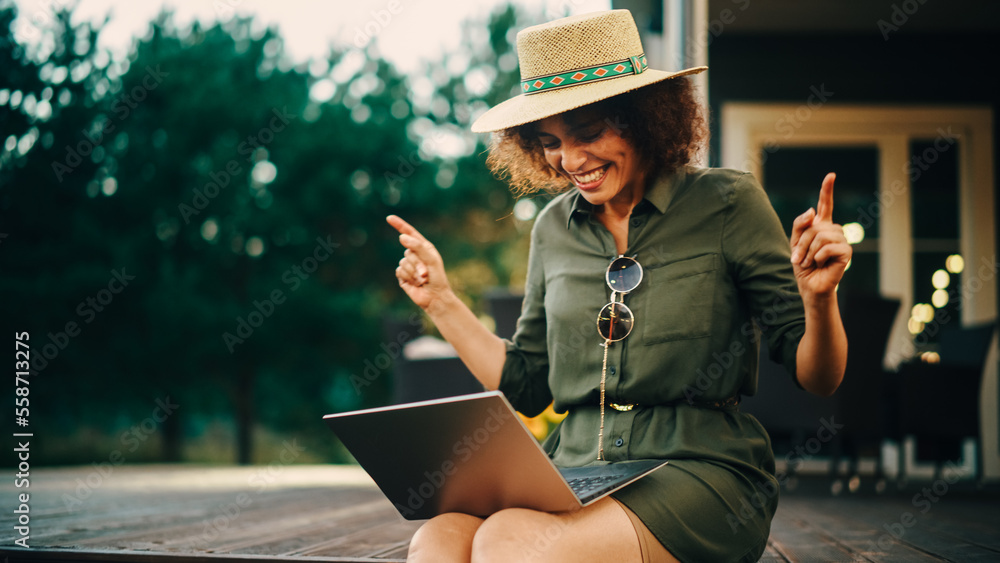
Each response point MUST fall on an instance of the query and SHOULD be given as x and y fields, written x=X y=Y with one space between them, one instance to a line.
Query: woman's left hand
x=820 y=251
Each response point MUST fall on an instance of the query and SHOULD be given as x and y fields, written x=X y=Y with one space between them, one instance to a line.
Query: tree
x=51 y=149
x=210 y=216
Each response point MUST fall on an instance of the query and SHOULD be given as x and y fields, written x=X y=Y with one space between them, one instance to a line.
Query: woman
x=696 y=255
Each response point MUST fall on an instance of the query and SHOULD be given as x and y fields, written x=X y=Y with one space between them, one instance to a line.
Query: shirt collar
x=659 y=194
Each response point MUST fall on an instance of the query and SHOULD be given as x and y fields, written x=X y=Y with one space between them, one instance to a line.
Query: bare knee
x=514 y=535
x=444 y=538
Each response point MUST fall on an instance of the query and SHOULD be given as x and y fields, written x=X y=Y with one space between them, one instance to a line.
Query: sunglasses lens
x=624 y=274
x=615 y=321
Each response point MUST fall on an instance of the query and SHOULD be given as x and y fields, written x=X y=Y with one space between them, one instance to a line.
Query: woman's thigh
x=599 y=532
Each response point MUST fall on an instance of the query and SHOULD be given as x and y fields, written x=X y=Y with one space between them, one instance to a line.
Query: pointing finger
x=824 y=209
x=403 y=227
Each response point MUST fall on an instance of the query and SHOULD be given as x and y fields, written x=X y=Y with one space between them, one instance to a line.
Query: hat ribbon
x=615 y=69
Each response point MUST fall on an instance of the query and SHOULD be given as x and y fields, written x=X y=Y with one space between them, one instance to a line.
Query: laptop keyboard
x=584 y=486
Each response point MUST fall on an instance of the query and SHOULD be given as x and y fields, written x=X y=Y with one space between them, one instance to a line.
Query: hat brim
x=533 y=107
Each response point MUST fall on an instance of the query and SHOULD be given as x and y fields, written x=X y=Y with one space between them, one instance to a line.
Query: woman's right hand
x=421 y=275
x=421 y=271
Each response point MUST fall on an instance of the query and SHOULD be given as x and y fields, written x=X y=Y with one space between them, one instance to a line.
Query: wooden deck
x=330 y=513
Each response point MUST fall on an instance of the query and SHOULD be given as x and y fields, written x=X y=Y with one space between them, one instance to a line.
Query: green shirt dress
x=716 y=280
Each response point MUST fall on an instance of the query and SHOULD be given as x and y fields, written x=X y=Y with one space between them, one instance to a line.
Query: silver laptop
x=469 y=454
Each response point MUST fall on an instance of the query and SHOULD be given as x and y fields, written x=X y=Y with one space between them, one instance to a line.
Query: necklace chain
x=604 y=373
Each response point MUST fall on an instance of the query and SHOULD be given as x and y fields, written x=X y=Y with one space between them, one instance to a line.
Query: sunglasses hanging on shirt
x=615 y=320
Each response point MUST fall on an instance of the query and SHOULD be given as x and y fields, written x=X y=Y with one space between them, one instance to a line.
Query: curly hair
x=662 y=121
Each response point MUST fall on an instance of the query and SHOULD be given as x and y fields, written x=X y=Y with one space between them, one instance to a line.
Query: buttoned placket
x=617 y=424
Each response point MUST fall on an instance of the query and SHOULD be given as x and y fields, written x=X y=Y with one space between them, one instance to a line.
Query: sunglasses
x=615 y=320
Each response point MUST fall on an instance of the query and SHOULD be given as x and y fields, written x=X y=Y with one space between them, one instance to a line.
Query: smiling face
x=586 y=148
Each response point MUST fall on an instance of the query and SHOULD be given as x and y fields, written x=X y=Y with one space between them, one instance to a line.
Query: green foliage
x=217 y=235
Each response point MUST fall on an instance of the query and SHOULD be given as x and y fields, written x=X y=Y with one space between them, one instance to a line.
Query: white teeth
x=591 y=177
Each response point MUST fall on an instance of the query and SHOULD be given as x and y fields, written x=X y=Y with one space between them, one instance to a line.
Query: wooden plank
x=131 y=516
x=771 y=554
x=274 y=533
x=121 y=517
x=972 y=520
x=396 y=553
x=837 y=520
x=341 y=532
x=159 y=515
x=897 y=529
x=94 y=519
x=368 y=542
x=798 y=541
x=196 y=529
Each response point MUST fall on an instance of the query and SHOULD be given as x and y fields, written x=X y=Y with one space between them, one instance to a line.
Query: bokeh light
x=255 y=246
x=930 y=358
x=209 y=230
x=922 y=312
x=955 y=263
x=940 y=279
x=264 y=172
x=939 y=298
x=854 y=233
x=525 y=209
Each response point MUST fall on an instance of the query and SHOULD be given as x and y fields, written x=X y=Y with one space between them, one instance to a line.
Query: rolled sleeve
x=524 y=378
x=759 y=255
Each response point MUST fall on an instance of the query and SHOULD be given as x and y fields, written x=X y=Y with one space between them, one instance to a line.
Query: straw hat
x=572 y=62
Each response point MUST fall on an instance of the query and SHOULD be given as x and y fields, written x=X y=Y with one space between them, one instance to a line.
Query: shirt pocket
x=679 y=300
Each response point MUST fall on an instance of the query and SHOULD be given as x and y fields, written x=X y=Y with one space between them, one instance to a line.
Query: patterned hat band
x=615 y=69
x=588 y=49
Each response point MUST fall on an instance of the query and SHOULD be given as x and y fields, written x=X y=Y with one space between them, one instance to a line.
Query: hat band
x=626 y=67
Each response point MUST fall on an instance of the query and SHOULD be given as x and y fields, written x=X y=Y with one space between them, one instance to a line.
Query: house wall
x=907 y=69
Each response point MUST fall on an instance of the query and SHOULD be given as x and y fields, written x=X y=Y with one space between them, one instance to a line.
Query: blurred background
x=193 y=208
x=192 y=197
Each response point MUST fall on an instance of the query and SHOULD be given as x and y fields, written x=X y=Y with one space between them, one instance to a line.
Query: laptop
x=470 y=454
